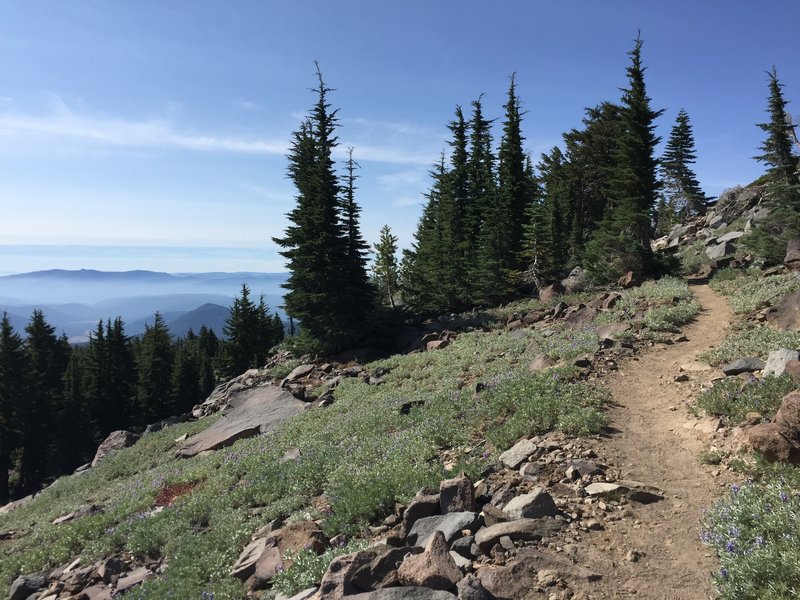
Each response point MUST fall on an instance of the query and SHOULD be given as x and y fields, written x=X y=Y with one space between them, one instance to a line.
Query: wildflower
x=784 y=497
x=723 y=572
x=735 y=489
x=730 y=546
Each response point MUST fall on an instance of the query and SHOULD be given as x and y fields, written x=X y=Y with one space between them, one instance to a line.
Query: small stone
x=547 y=577
x=633 y=556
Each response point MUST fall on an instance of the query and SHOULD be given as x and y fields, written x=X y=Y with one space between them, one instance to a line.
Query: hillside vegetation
x=356 y=457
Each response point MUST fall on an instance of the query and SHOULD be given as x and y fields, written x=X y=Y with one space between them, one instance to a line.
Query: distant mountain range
x=74 y=301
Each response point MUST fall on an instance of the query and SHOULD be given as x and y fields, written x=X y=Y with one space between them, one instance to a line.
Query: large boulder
x=116 y=440
x=253 y=411
x=778 y=359
x=792 y=259
x=434 y=568
x=456 y=495
x=785 y=316
x=535 y=505
x=576 y=281
x=748 y=364
x=550 y=292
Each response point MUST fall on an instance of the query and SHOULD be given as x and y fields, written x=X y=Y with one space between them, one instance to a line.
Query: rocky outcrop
x=116 y=440
x=250 y=413
x=779 y=440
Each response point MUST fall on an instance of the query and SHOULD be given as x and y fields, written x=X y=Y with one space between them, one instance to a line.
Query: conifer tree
x=316 y=241
x=777 y=152
x=622 y=242
x=13 y=375
x=513 y=190
x=357 y=285
x=73 y=435
x=782 y=179
x=481 y=183
x=47 y=358
x=385 y=266
x=683 y=195
x=155 y=362
x=120 y=378
x=185 y=389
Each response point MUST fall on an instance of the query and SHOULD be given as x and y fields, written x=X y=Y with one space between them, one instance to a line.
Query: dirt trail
x=652 y=445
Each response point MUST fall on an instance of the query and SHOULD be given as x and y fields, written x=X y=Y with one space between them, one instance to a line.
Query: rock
x=519 y=529
x=576 y=281
x=582 y=468
x=541 y=363
x=602 y=488
x=493 y=515
x=719 y=251
x=534 y=316
x=612 y=330
x=550 y=292
x=245 y=565
x=132 y=579
x=381 y=572
x=299 y=373
x=421 y=505
x=580 y=317
x=450 y=525
x=748 y=364
x=535 y=505
x=768 y=440
x=640 y=492
x=516 y=578
x=785 y=316
x=109 y=569
x=471 y=588
x=96 y=592
x=518 y=453
x=730 y=236
x=296 y=536
x=163 y=424
x=788 y=416
x=269 y=564
x=306 y=594
x=337 y=581
x=434 y=568
x=456 y=495
x=777 y=359
x=25 y=585
x=628 y=281
x=436 y=345
x=792 y=259
x=708 y=425
x=404 y=593
x=116 y=440
x=792 y=369
x=253 y=411
x=610 y=301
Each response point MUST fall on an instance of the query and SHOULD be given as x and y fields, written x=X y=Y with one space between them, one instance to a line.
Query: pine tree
x=207 y=348
x=120 y=378
x=777 y=152
x=513 y=192
x=74 y=434
x=13 y=376
x=154 y=362
x=316 y=243
x=185 y=389
x=481 y=182
x=47 y=357
x=683 y=195
x=622 y=242
x=782 y=179
x=385 y=266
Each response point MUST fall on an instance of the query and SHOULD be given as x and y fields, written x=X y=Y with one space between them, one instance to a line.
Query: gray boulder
x=253 y=411
x=451 y=525
x=116 y=440
x=777 y=359
x=748 y=364
x=534 y=505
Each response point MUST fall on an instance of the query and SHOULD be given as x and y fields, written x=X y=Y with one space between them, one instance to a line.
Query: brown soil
x=651 y=444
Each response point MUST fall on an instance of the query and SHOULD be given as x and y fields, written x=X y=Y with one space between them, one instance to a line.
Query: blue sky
x=152 y=134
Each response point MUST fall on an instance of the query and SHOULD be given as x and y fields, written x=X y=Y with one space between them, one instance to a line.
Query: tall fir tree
x=682 y=194
x=622 y=242
x=73 y=435
x=481 y=184
x=316 y=241
x=154 y=363
x=513 y=188
x=13 y=392
x=782 y=180
x=385 y=266
x=355 y=278
x=47 y=357
x=120 y=378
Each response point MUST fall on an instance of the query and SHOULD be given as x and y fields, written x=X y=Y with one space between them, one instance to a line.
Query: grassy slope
x=358 y=456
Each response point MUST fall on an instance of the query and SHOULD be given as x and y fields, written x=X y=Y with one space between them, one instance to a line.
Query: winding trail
x=651 y=445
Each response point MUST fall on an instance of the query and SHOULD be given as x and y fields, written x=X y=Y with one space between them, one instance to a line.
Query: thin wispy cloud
x=249 y=105
x=64 y=123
